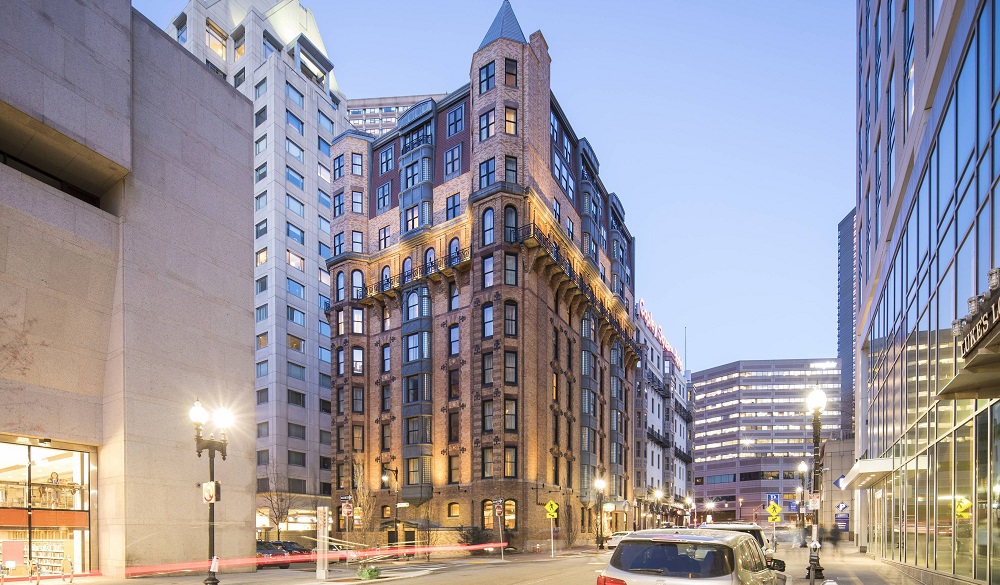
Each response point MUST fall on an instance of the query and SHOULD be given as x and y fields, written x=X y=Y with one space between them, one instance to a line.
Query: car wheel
x=285 y=566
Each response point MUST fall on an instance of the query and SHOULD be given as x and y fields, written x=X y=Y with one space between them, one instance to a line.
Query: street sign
x=498 y=502
x=209 y=492
x=793 y=506
x=772 y=498
x=552 y=515
x=498 y=510
x=843 y=521
x=842 y=506
x=962 y=506
x=347 y=510
x=773 y=509
x=402 y=504
x=814 y=502
x=775 y=518
x=551 y=507
x=841 y=482
x=346 y=498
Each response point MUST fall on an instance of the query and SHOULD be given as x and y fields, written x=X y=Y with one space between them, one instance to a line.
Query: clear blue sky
x=725 y=127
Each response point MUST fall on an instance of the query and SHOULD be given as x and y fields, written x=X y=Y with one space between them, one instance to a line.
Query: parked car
x=674 y=557
x=751 y=528
x=269 y=554
x=614 y=539
x=292 y=548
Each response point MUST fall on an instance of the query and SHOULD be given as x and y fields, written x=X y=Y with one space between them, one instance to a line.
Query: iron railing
x=683 y=411
x=416 y=141
x=533 y=231
x=419 y=273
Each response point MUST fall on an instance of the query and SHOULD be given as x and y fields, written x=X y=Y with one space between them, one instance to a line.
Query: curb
x=409 y=575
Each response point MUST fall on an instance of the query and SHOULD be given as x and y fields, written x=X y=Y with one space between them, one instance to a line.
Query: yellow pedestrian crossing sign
x=773 y=509
x=774 y=518
x=550 y=509
x=962 y=506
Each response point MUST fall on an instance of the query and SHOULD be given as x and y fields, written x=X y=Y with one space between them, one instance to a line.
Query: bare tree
x=364 y=501
x=15 y=354
x=570 y=528
x=277 y=497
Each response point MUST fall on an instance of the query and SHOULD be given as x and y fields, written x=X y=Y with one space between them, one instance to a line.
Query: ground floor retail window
x=44 y=510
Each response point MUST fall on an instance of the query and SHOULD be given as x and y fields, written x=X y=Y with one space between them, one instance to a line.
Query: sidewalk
x=846 y=566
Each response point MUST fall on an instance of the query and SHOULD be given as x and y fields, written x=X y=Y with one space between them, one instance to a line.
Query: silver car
x=672 y=557
x=614 y=539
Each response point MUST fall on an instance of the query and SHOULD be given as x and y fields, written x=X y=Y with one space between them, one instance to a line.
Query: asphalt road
x=524 y=569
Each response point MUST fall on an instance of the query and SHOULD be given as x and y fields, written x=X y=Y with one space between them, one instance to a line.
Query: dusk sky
x=726 y=128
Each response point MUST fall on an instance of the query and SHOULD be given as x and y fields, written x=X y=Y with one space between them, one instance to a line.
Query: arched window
x=510 y=224
x=340 y=286
x=386 y=278
x=453 y=509
x=452 y=297
x=510 y=514
x=453 y=252
x=429 y=265
x=488 y=226
x=407 y=270
x=487 y=320
x=510 y=318
x=357 y=285
x=488 y=515
x=412 y=304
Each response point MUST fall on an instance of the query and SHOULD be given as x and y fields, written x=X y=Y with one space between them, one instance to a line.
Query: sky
x=725 y=128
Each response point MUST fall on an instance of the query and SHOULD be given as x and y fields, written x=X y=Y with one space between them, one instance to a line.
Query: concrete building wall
x=122 y=299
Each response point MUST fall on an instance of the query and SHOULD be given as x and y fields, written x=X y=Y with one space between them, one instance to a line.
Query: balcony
x=442 y=266
x=682 y=411
x=682 y=455
x=532 y=232
x=658 y=437
x=416 y=141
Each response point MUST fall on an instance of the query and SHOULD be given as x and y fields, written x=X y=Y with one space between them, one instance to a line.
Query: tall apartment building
x=847 y=297
x=481 y=310
x=752 y=430
x=650 y=425
x=681 y=431
x=272 y=52
x=379 y=115
x=928 y=244
x=122 y=246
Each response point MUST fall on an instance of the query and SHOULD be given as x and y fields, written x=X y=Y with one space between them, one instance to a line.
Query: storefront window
x=54 y=486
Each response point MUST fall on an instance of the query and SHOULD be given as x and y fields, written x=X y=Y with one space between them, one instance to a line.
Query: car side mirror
x=777 y=565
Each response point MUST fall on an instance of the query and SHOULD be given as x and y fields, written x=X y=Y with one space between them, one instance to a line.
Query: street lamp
x=224 y=419
x=816 y=403
x=739 y=508
x=803 y=468
x=692 y=512
x=658 y=495
x=599 y=485
x=385 y=479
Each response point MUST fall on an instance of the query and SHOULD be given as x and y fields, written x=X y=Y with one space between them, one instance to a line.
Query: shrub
x=369 y=572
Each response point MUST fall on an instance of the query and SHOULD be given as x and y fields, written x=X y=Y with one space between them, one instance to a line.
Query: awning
x=866 y=472
x=979 y=376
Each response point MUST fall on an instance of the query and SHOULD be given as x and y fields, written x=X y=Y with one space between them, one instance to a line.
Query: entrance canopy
x=866 y=472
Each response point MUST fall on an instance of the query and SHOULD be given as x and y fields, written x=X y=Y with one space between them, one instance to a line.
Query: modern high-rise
x=378 y=115
x=928 y=424
x=846 y=311
x=752 y=430
x=482 y=331
x=272 y=52
x=123 y=246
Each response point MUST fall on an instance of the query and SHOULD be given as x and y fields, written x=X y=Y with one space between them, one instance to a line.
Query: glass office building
x=928 y=427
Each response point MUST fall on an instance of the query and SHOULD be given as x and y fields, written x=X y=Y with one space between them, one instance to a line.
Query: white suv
x=750 y=528
x=674 y=557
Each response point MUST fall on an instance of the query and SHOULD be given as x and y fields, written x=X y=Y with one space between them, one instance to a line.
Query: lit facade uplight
x=993 y=277
x=957 y=327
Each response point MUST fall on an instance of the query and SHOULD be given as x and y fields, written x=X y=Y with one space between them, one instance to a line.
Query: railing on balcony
x=681 y=410
x=416 y=141
x=654 y=382
x=682 y=454
x=658 y=437
x=533 y=231
x=420 y=272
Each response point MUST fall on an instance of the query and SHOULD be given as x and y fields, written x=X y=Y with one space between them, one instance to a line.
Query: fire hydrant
x=538 y=548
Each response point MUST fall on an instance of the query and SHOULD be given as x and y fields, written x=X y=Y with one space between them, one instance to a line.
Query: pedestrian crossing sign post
x=551 y=512
x=774 y=512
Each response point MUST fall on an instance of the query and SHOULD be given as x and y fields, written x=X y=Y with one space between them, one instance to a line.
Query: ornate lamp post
x=739 y=508
x=199 y=416
x=709 y=506
x=803 y=468
x=599 y=485
x=385 y=479
x=658 y=495
x=692 y=512
x=816 y=403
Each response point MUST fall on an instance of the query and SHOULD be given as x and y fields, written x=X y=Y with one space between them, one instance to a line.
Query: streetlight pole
x=691 y=510
x=385 y=478
x=801 y=491
x=199 y=416
x=816 y=403
x=739 y=508
x=599 y=485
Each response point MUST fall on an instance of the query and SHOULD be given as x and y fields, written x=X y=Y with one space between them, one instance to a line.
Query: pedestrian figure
x=835 y=539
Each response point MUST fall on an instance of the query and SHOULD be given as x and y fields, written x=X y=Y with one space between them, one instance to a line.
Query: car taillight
x=602 y=580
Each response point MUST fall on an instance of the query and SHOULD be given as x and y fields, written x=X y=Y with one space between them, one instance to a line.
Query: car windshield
x=688 y=559
x=268 y=546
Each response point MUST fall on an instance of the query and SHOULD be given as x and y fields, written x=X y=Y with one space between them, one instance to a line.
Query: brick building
x=482 y=290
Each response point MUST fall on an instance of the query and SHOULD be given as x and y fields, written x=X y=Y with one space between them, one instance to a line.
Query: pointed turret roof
x=504 y=26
